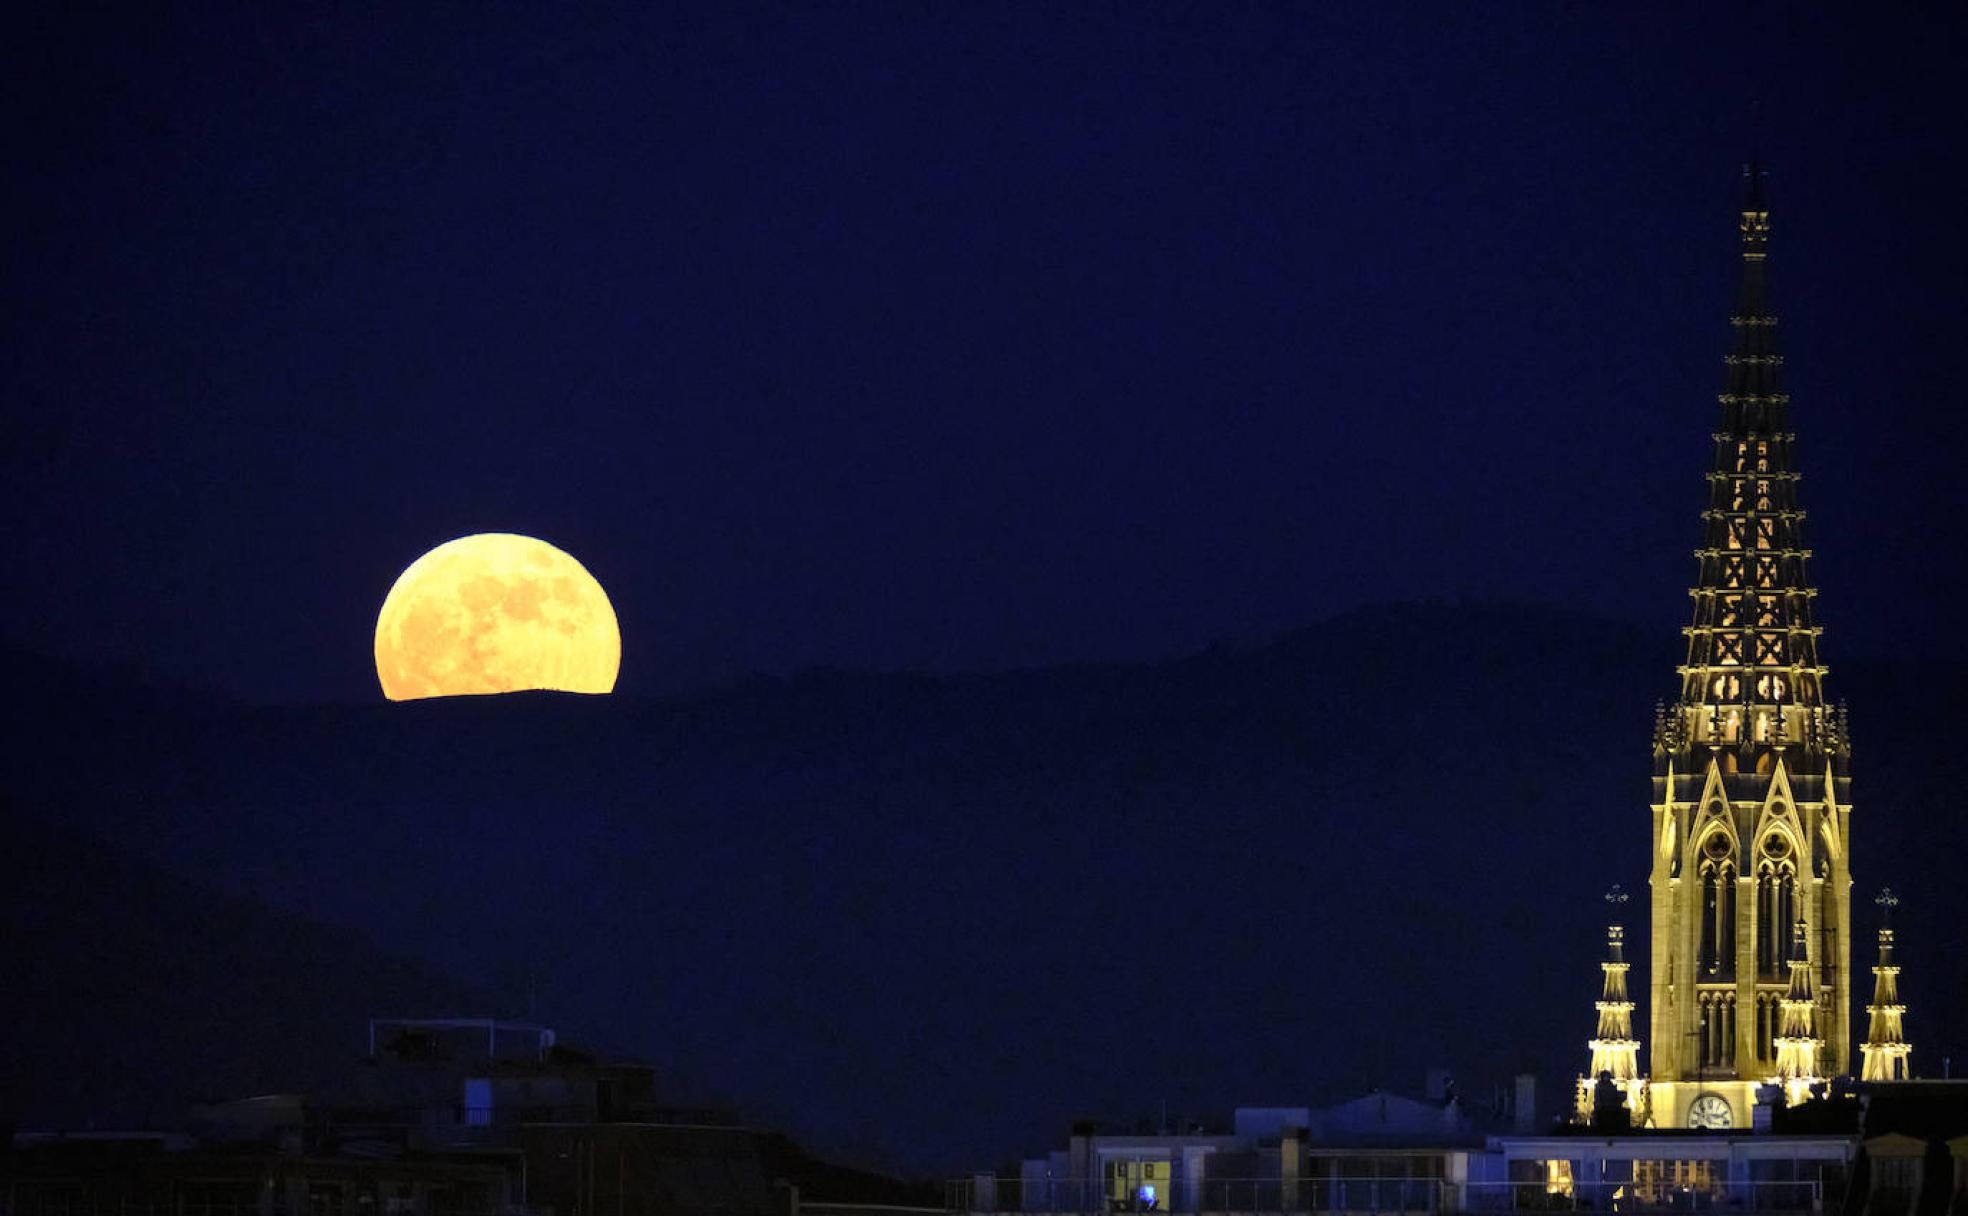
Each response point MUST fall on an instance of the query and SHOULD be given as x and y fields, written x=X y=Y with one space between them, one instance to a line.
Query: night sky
x=946 y=337
x=952 y=339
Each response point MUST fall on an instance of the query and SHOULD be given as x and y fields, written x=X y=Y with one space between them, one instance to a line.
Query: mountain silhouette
x=924 y=922
x=131 y=993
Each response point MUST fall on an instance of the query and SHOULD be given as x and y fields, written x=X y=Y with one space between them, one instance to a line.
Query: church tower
x=1752 y=797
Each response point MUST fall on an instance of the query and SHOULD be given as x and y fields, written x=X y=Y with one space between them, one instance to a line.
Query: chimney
x=1291 y=1166
x=1524 y=1110
x=1079 y=1158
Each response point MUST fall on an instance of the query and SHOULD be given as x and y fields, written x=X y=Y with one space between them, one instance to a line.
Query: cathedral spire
x=1886 y=1049
x=1752 y=791
x=1753 y=380
x=1752 y=683
x=1756 y=231
x=1614 y=1049
x=1615 y=1052
x=1798 y=1046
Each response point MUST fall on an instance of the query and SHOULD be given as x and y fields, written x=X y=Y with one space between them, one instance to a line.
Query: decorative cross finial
x=1615 y=898
x=1887 y=901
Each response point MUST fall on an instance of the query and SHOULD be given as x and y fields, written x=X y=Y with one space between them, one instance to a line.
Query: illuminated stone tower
x=1615 y=1052
x=1751 y=790
x=1886 y=1049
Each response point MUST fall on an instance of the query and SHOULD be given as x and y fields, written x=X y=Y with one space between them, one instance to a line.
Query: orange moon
x=496 y=612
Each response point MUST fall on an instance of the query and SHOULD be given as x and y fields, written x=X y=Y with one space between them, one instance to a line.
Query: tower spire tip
x=1753 y=175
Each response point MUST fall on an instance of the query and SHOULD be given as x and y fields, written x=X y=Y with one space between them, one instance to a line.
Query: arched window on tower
x=1718 y=1030
x=1776 y=905
x=1718 y=893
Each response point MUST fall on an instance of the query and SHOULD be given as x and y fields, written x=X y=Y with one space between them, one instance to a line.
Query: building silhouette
x=1751 y=918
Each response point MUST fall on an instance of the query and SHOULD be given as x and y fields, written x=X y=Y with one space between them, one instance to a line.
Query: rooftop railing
x=1259 y=1196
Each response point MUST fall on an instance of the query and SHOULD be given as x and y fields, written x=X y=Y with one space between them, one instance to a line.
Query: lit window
x=478 y=1102
x=1558 y=1178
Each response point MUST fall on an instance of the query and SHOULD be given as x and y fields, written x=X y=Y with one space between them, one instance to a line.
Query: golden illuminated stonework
x=494 y=613
x=1886 y=1053
x=1751 y=923
x=1615 y=1052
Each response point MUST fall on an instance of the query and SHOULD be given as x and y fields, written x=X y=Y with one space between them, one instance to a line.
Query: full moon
x=495 y=612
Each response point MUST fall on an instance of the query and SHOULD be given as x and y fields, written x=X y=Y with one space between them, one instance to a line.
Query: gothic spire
x=1799 y=1045
x=1886 y=1050
x=1754 y=369
x=1752 y=685
x=1614 y=1049
x=1752 y=792
x=1615 y=1052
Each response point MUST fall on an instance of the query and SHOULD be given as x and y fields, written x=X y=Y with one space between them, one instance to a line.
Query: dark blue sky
x=953 y=336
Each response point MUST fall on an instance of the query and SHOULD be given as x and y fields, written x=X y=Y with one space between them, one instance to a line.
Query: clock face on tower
x=1710 y=1112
